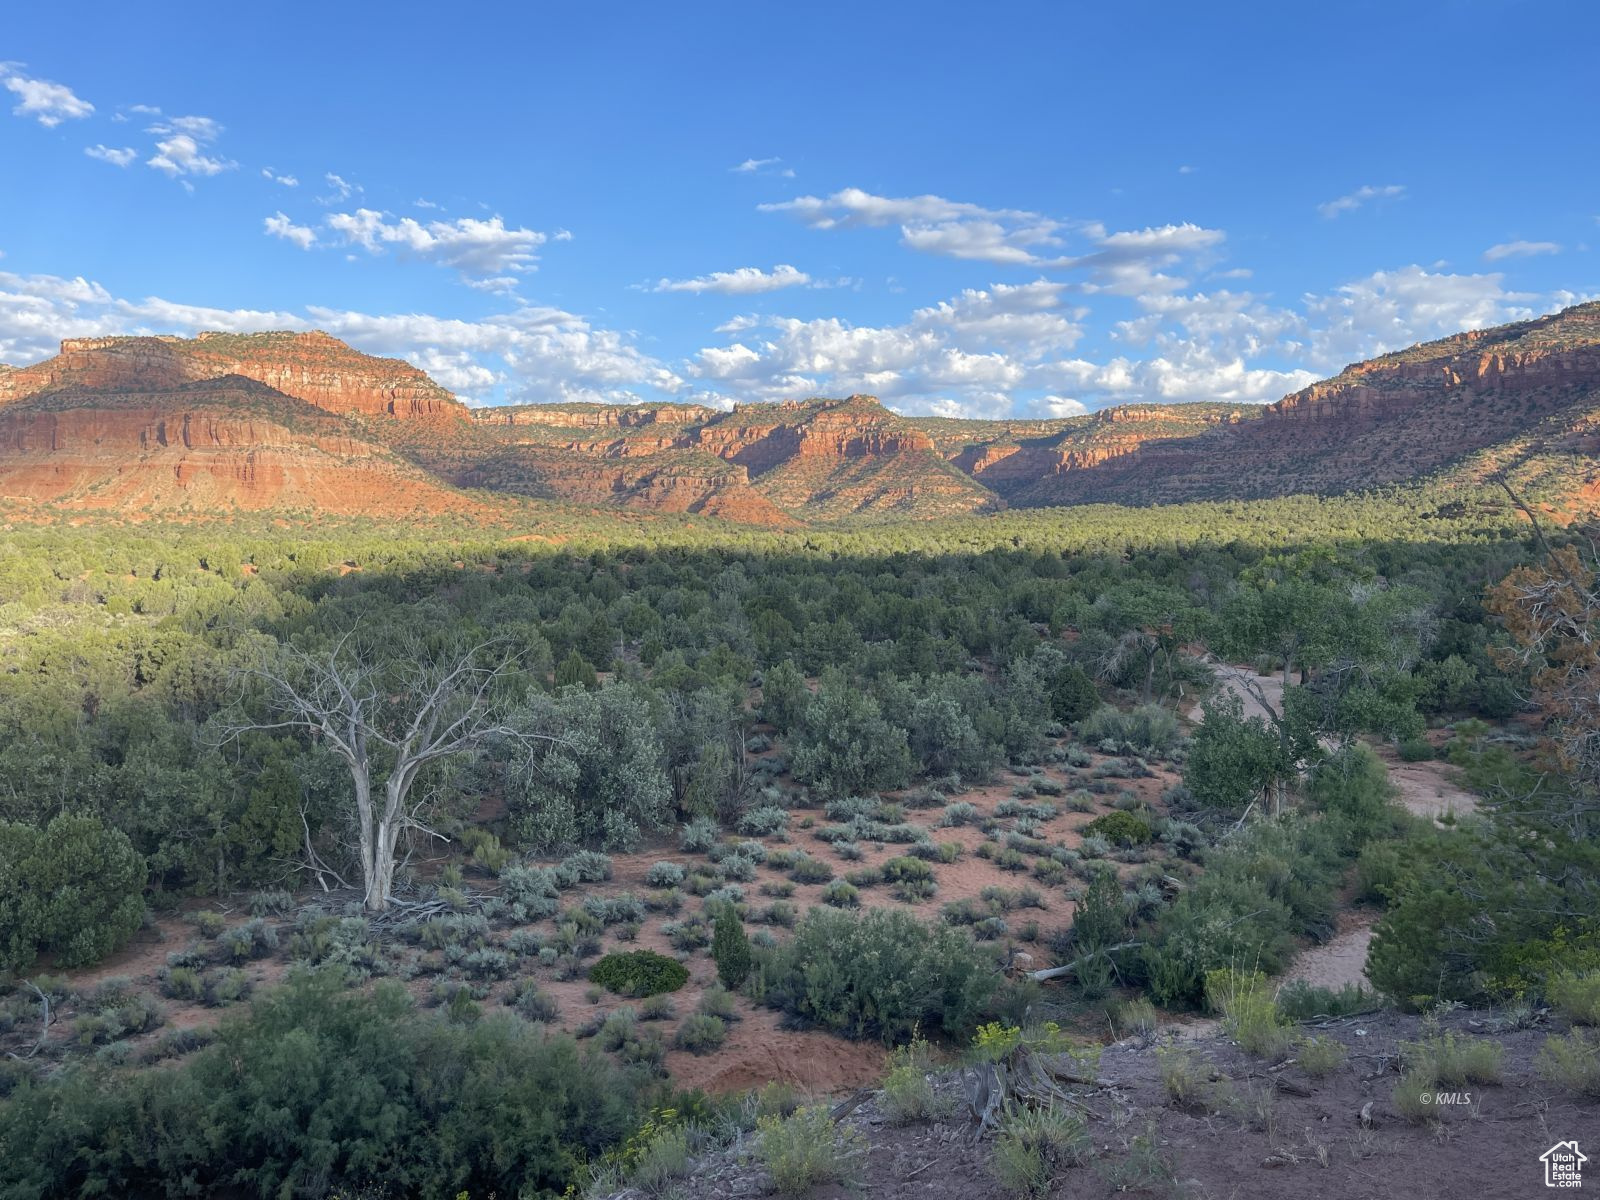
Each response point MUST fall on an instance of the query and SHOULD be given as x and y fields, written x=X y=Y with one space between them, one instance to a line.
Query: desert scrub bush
x=881 y=974
x=1035 y=1146
x=1572 y=1061
x=1415 y=749
x=1413 y=1096
x=767 y=821
x=717 y=1001
x=780 y=889
x=1453 y=1060
x=908 y=1093
x=698 y=836
x=1302 y=1001
x=1577 y=996
x=1149 y=729
x=806 y=1149
x=784 y=857
x=639 y=973
x=589 y=866
x=841 y=894
x=737 y=868
x=700 y=1034
x=729 y=895
x=913 y=891
x=959 y=813
x=689 y=934
x=1120 y=829
x=700 y=883
x=1249 y=1012
x=254 y=939
x=849 y=851
x=1183 y=1076
x=274 y=902
x=617 y=1028
x=487 y=962
x=1320 y=1056
x=1136 y=1016
x=209 y=923
x=810 y=870
x=531 y=1002
x=1010 y=859
x=660 y=1007
x=664 y=875
x=939 y=852
x=668 y=901
x=864 y=877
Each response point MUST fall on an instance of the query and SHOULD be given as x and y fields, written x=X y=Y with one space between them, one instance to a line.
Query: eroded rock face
x=313 y=367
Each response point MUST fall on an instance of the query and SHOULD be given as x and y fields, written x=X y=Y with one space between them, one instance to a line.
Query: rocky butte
x=303 y=421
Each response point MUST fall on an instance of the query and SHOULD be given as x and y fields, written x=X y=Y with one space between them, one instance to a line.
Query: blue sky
x=1008 y=209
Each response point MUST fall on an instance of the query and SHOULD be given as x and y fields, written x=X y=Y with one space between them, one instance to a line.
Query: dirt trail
x=1235 y=679
x=1427 y=788
x=1340 y=961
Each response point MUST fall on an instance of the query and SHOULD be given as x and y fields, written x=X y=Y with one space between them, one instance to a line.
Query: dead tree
x=387 y=719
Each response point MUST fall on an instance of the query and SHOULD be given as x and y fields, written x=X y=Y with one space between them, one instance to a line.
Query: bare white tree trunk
x=343 y=700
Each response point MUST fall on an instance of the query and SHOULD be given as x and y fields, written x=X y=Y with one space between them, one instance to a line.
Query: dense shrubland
x=703 y=692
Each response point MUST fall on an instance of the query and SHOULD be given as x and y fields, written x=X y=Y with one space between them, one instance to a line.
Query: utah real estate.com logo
x=1563 y=1165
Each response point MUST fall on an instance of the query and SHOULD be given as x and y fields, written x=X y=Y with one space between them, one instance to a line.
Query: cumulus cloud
x=182 y=148
x=280 y=226
x=1520 y=249
x=530 y=355
x=1345 y=204
x=1128 y=263
x=1389 y=310
x=932 y=224
x=285 y=180
x=473 y=247
x=46 y=102
x=744 y=281
x=117 y=157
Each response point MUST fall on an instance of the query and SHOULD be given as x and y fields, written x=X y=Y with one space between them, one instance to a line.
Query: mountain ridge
x=253 y=421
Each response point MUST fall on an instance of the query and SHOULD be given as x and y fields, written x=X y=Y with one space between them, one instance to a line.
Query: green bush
x=1576 y=996
x=74 y=889
x=730 y=948
x=806 y=1149
x=1120 y=829
x=880 y=973
x=1572 y=1062
x=639 y=973
x=317 y=1092
x=1035 y=1146
x=700 y=1033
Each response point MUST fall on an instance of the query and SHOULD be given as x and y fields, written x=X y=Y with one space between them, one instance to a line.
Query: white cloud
x=180 y=152
x=529 y=355
x=201 y=129
x=1062 y=406
x=744 y=281
x=46 y=102
x=1520 y=249
x=343 y=189
x=1186 y=169
x=280 y=226
x=285 y=180
x=1353 y=201
x=932 y=224
x=473 y=247
x=110 y=154
x=1128 y=263
x=763 y=166
x=1389 y=310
